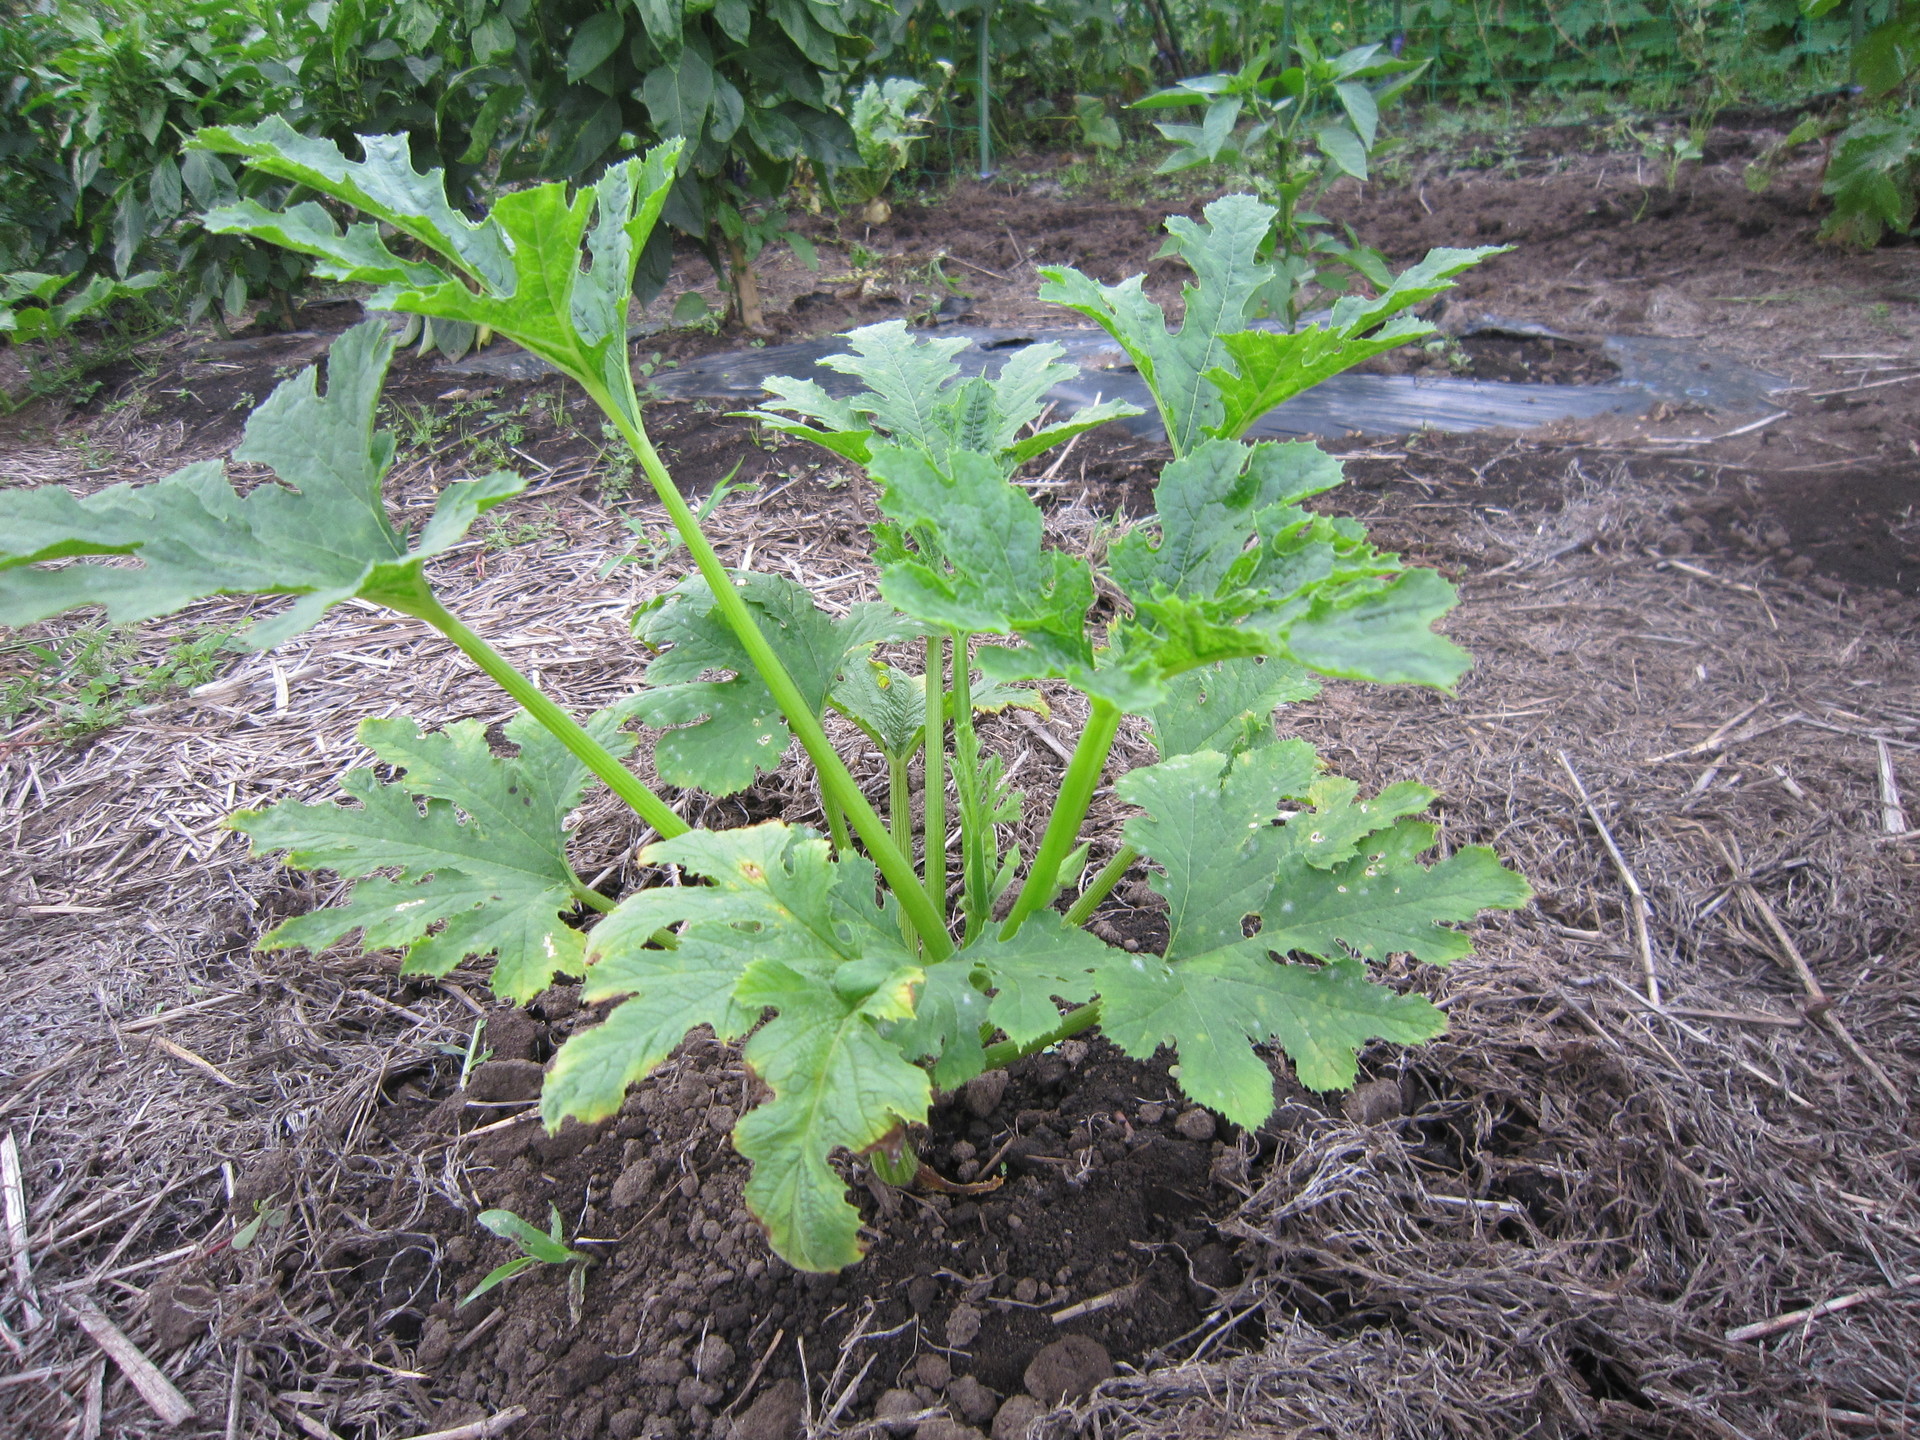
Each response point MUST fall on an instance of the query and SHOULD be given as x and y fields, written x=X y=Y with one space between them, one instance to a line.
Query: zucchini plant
x=866 y=965
x=1305 y=125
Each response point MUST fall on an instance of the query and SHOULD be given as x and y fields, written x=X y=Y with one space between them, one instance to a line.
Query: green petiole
x=1085 y=1017
x=836 y=824
x=934 y=822
x=976 y=823
x=1101 y=885
x=593 y=899
x=425 y=605
x=1063 y=828
x=836 y=782
x=899 y=803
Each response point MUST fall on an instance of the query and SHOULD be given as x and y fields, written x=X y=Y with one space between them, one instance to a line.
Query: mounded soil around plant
x=1555 y=1220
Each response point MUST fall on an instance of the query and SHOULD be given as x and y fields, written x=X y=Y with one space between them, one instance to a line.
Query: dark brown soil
x=1108 y=1190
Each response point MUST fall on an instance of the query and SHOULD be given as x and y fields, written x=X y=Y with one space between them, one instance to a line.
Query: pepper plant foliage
x=835 y=955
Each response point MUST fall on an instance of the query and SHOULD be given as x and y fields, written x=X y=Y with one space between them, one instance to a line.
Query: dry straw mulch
x=1585 y=1189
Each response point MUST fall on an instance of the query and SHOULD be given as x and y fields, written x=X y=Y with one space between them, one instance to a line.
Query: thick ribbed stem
x=899 y=803
x=590 y=752
x=1069 y=809
x=934 y=821
x=836 y=781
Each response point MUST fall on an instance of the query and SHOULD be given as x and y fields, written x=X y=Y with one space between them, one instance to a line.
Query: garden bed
x=1549 y=1219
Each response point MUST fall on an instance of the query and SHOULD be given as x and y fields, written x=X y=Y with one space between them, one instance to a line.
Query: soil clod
x=505 y=1080
x=1068 y=1369
x=894 y=1407
x=1015 y=1416
x=1373 y=1102
x=975 y=1402
x=963 y=1325
x=775 y=1415
x=1198 y=1125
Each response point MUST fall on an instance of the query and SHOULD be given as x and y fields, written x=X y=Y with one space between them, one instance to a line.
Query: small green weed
x=536 y=1248
x=618 y=466
x=421 y=426
x=493 y=448
x=83 y=445
x=471 y=1054
x=654 y=546
x=503 y=532
x=94 y=678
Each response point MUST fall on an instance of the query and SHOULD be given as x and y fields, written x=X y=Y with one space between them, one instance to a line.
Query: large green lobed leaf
x=321 y=535
x=1266 y=368
x=978 y=559
x=916 y=399
x=480 y=868
x=1234 y=566
x=1226 y=866
x=1223 y=253
x=786 y=928
x=725 y=732
x=519 y=271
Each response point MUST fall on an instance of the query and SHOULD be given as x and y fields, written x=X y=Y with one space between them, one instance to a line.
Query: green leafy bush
x=1870 y=178
x=1040 y=54
x=836 y=956
x=1873 y=163
x=94 y=110
x=35 y=316
x=452 y=77
x=31 y=308
x=751 y=86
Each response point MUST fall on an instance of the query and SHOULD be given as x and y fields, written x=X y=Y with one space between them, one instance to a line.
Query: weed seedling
x=265 y=1216
x=501 y=533
x=536 y=1248
x=471 y=1054
x=94 y=678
